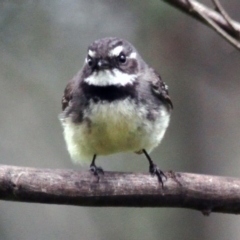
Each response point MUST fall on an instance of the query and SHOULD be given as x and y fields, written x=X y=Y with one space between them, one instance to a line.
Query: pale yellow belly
x=111 y=128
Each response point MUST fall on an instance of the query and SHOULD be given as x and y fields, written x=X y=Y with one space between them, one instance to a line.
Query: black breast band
x=108 y=93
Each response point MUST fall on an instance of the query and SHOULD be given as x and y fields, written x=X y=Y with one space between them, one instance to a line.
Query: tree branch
x=183 y=190
x=225 y=15
x=217 y=19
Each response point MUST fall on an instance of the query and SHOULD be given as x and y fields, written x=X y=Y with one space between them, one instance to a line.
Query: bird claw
x=96 y=171
x=154 y=170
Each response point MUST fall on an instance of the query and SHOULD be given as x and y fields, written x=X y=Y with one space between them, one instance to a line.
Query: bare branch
x=184 y=190
x=218 y=20
x=222 y=11
x=218 y=29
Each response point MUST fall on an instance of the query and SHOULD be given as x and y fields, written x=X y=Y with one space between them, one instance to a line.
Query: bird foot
x=154 y=170
x=96 y=170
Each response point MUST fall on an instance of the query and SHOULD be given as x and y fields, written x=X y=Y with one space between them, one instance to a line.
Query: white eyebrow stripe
x=116 y=51
x=133 y=55
x=91 y=53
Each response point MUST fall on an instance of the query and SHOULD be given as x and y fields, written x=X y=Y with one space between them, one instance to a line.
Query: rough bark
x=182 y=190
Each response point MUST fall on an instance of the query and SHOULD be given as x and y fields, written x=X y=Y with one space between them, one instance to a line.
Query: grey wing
x=160 y=90
x=67 y=96
x=71 y=105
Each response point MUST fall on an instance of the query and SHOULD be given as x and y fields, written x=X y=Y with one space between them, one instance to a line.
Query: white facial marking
x=105 y=78
x=91 y=53
x=116 y=51
x=133 y=55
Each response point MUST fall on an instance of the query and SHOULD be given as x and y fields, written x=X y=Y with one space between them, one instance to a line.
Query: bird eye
x=89 y=61
x=122 y=58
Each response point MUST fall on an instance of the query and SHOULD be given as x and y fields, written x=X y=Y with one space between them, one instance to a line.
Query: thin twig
x=220 y=31
x=216 y=27
x=210 y=17
x=225 y=15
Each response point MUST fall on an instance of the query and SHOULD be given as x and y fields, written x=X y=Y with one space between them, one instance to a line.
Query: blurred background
x=43 y=44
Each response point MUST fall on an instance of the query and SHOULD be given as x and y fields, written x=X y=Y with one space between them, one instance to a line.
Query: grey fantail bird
x=115 y=103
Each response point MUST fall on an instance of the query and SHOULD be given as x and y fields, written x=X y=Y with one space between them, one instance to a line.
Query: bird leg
x=94 y=169
x=154 y=170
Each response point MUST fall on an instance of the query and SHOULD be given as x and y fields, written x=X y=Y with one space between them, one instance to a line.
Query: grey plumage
x=115 y=103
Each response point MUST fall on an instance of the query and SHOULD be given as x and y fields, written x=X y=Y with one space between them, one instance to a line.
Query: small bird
x=115 y=103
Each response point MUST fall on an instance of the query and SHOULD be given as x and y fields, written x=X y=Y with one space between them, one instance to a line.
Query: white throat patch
x=114 y=77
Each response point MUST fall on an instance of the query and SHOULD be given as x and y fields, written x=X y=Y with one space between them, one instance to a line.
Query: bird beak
x=103 y=64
